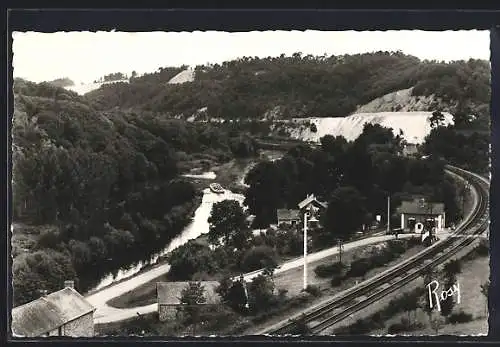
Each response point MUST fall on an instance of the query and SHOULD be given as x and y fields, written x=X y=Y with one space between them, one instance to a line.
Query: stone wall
x=166 y=312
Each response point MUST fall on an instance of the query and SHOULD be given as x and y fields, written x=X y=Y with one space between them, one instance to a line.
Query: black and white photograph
x=278 y=183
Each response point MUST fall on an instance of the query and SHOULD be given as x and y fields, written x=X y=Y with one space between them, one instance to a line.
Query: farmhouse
x=289 y=217
x=410 y=149
x=421 y=211
x=169 y=294
x=62 y=313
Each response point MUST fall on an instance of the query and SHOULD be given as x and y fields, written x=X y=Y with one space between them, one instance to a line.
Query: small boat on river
x=216 y=188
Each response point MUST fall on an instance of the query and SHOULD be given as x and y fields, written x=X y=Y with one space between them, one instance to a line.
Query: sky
x=87 y=56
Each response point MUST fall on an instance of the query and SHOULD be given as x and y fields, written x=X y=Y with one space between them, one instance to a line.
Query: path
x=106 y=314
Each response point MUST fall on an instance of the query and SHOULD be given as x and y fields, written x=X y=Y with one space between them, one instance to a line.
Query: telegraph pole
x=305 y=249
x=341 y=248
x=388 y=214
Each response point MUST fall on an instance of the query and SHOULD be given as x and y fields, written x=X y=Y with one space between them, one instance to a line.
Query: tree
x=437 y=323
x=192 y=296
x=258 y=258
x=265 y=192
x=485 y=290
x=410 y=304
x=346 y=212
x=451 y=269
x=233 y=293
x=227 y=221
x=261 y=292
x=191 y=258
x=429 y=275
x=437 y=119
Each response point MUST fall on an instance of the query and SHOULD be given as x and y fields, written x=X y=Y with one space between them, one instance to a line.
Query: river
x=198 y=226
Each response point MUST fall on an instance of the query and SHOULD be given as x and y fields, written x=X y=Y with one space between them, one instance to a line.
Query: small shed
x=169 y=295
x=62 y=313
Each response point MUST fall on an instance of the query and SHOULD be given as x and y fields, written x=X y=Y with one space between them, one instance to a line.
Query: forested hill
x=98 y=189
x=297 y=86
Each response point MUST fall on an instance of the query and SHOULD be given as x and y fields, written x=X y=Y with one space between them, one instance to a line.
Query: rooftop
x=49 y=313
x=169 y=293
x=309 y=199
x=420 y=206
x=285 y=214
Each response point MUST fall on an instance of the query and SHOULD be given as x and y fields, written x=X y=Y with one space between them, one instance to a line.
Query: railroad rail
x=362 y=295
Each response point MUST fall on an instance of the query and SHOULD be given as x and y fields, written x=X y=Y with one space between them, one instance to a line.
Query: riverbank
x=124 y=272
x=227 y=174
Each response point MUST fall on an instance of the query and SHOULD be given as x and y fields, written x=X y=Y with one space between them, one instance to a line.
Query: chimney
x=70 y=284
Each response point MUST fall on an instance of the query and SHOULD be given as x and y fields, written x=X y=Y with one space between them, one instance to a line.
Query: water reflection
x=199 y=225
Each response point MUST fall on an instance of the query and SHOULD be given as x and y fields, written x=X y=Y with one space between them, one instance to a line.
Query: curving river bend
x=198 y=226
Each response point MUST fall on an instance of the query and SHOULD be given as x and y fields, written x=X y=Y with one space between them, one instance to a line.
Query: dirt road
x=105 y=313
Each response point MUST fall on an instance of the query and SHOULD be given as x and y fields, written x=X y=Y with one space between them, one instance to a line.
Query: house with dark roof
x=288 y=217
x=419 y=210
x=410 y=149
x=169 y=297
x=62 y=313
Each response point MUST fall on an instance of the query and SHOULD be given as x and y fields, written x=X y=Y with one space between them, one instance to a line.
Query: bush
x=313 y=290
x=460 y=317
x=336 y=281
x=327 y=270
x=402 y=326
x=360 y=267
x=362 y=326
x=483 y=248
x=396 y=247
x=259 y=257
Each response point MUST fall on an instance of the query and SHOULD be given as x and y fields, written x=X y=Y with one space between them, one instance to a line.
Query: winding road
x=106 y=314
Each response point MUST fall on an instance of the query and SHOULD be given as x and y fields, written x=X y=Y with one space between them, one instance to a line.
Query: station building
x=421 y=211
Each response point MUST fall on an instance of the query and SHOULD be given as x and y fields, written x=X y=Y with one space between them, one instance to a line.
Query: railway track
x=362 y=295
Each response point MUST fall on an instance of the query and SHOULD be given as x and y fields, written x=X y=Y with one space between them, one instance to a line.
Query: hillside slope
x=413 y=125
x=402 y=101
x=183 y=77
x=303 y=86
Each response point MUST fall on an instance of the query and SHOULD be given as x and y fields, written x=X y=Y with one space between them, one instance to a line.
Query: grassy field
x=292 y=281
x=474 y=273
x=472 y=301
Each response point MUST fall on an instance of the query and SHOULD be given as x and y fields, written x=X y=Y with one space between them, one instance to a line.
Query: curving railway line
x=362 y=295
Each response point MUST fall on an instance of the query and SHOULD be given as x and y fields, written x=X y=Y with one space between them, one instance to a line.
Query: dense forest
x=96 y=177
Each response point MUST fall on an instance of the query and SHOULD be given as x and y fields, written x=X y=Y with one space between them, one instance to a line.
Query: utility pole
x=341 y=248
x=305 y=249
x=388 y=214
